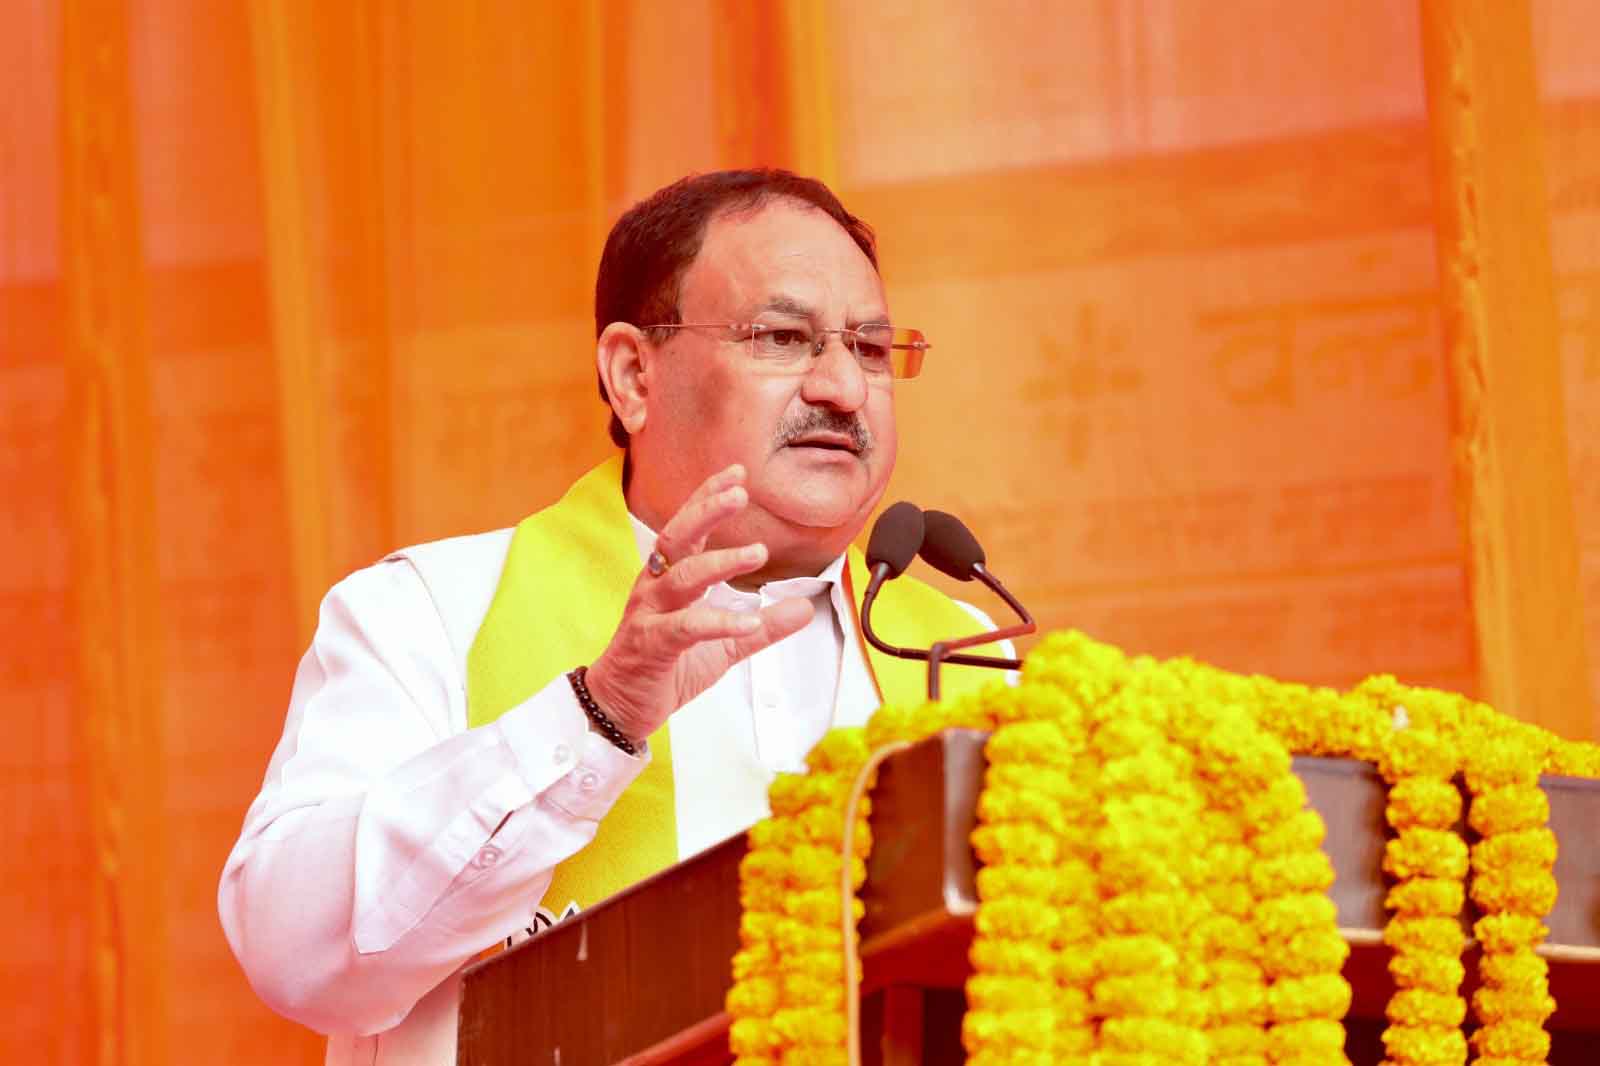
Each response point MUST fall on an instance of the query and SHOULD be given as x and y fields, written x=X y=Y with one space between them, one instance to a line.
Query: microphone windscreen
x=896 y=536
x=949 y=546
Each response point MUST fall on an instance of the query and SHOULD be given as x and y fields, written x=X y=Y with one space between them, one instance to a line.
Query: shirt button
x=562 y=755
x=589 y=781
x=488 y=855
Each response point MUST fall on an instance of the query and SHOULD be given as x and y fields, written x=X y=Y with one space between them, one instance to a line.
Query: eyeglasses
x=883 y=351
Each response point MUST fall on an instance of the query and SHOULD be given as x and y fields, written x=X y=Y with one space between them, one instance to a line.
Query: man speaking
x=491 y=732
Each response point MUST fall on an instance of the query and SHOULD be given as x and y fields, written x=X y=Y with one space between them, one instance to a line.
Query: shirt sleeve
x=389 y=844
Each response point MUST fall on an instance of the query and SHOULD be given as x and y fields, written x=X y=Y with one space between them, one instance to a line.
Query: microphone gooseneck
x=949 y=546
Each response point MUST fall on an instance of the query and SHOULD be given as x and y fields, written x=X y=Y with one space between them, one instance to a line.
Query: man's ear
x=619 y=355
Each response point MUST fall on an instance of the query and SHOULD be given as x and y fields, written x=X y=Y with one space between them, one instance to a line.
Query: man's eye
x=787 y=338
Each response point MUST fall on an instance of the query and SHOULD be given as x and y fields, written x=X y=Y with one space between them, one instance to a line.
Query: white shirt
x=370 y=867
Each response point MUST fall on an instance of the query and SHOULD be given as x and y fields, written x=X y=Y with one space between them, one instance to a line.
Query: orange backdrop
x=1266 y=334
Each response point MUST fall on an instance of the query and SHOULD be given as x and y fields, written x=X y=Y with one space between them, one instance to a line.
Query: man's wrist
x=599 y=721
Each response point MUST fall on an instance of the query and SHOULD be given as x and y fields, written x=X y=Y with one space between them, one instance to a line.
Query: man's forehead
x=783 y=253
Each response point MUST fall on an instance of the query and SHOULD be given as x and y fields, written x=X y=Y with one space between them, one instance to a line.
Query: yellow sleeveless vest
x=566 y=580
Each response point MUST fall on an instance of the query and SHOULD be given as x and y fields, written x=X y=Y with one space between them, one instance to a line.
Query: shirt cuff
x=561 y=758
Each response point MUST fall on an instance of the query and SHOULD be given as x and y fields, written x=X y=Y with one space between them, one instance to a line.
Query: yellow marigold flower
x=1428 y=970
x=1020 y=1028
x=754 y=960
x=777 y=834
x=1505 y=810
x=1261 y=811
x=1573 y=759
x=1502 y=761
x=1524 y=848
x=841 y=750
x=813 y=1055
x=1235 y=1042
x=1423 y=897
x=1012 y=879
x=1075 y=926
x=1153 y=1036
x=1015 y=842
x=1122 y=955
x=986 y=991
x=1225 y=968
x=1163 y=914
x=790 y=793
x=762 y=895
x=795 y=938
x=1495 y=1005
x=1503 y=933
x=810 y=1025
x=1416 y=752
x=1232 y=898
x=1144 y=995
x=1076 y=967
x=1297 y=999
x=756 y=927
x=1017 y=957
x=1514 y=893
x=817 y=906
x=1291 y=873
x=1521 y=970
x=1423 y=801
x=1284 y=916
x=1014 y=805
x=1239 y=1001
x=1516 y=1039
x=1231 y=861
x=752 y=997
x=822 y=991
x=1418 y=1006
x=1131 y=869
x=1442 y=936
x=1310 y=952
x=1425 y=1046
x=1015 y=919
x=753 y=1037
x=1425 y=853
x=1227 y=933
x=1301 y=832
x=1316 y=1038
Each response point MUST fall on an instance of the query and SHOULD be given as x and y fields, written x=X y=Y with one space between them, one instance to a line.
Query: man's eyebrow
x=789 y=305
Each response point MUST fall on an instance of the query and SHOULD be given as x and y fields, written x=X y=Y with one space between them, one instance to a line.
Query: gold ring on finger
x=657 y=562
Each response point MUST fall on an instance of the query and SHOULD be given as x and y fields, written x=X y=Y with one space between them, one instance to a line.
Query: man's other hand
x=671 y=645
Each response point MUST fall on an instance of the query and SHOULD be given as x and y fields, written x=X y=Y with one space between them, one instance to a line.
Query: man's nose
x=835 y=377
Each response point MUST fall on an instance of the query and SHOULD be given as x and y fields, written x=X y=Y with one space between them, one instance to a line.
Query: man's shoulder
x=464 y=554
x=460 y=575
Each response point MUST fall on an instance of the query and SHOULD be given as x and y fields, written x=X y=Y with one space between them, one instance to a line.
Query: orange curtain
x=286 y=284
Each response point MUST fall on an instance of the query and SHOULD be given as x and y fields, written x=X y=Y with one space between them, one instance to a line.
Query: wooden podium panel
x=641 y=977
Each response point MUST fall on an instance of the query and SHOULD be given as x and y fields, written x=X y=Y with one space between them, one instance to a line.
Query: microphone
x=896 y=536
x=949 y=547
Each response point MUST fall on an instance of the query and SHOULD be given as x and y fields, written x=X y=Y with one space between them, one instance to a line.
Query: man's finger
x=672 y=634
x=688 y=580
x=783 y=619
x=720 y=496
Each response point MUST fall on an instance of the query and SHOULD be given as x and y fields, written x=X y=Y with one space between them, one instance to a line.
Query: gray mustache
x=826 y=420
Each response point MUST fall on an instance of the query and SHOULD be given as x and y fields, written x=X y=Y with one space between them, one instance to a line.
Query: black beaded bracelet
x=608 y=728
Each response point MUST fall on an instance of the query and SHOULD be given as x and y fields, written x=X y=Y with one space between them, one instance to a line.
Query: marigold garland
x=1153 y=888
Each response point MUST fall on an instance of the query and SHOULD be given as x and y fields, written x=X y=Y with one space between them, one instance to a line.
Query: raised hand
x=671 y=645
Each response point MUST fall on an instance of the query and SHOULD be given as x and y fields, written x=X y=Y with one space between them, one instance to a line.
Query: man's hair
x=653 y=244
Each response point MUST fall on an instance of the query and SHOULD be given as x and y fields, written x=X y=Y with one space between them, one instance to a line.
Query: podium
x=640 y=978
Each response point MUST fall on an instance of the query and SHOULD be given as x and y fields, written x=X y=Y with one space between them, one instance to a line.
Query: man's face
x=817 y=439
